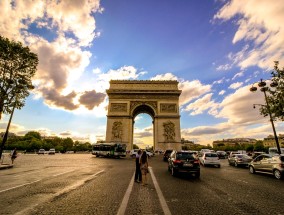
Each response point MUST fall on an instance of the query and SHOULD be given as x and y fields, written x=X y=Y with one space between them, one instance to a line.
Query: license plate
x=188 y=165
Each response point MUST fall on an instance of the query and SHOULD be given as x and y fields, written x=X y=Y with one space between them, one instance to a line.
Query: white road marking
x=11 y=188
x=124 y=203
x=160 y=194
x=122 y=208
x=21 y=185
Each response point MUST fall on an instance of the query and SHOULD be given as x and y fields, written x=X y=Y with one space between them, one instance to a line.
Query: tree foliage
x=275 y=96
x=17 y=67
x=32 y=142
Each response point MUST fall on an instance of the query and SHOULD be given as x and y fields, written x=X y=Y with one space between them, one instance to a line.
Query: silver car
x=268 y=164
x=239 y=160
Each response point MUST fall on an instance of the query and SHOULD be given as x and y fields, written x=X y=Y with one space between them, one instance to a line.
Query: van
x=273 y=150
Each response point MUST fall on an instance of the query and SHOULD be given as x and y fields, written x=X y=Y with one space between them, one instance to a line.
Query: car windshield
x=184 y=156
x=211 y=155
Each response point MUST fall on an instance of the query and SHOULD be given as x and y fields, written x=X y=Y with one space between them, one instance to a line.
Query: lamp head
x=253 y=89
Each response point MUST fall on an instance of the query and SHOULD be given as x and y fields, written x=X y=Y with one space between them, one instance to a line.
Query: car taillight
x=177 y=161
x=196 y=161
x=281 y=165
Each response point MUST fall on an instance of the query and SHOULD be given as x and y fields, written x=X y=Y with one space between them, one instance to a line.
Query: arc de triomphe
x=159 y=99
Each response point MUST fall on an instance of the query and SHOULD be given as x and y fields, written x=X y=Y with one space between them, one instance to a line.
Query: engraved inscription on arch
x=118 y=107
x=168 y=108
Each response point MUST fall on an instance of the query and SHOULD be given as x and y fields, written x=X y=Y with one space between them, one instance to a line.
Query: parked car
x=233 y=153
x=210 y=159
x=51 y=152
x=239 y=160
x=167 y=154
x=41 y=152
x=266 y=163
x=255 y=154
x=134 y=152
x=184 y=162
x=222 y=154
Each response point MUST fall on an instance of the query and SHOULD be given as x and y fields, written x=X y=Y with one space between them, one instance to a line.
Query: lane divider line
x=160 y=194
x=122 y=208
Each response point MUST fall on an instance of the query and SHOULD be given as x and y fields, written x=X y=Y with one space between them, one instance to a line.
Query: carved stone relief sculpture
x=169 y=131
x=168 y=107
x=117 y=131
x=118 y=107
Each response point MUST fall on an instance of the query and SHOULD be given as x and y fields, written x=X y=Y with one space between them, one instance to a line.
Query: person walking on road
x=13 y=155
x=138 y=175
x=144 y=167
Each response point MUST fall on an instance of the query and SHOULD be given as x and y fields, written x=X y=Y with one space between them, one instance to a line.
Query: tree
x=258 y=146
x=67 y=144
x=275 y=97
x=33 y=134
x=17 y=67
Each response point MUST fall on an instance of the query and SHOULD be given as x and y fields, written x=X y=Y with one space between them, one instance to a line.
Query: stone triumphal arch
x=159 y=99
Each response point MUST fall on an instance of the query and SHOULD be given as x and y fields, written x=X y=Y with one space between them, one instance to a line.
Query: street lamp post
x=263 y=88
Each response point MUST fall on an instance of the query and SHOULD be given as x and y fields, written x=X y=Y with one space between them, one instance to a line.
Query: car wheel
x=251 y=170
x=218 y=166
x=169 y=169
x=277 y=174
x=236 y=164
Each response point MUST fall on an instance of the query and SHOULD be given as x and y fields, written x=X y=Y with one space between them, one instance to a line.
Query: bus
x=109 y=150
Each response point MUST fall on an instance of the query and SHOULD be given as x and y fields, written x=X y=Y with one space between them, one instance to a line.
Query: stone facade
x=270 y=141
x=159 y=99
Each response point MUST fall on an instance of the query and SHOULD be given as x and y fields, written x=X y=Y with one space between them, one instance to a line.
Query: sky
x=215 y=49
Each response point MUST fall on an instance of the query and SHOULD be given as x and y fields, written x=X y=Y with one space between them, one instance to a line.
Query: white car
x=51 y=152
x=210 y=159
x=134 y=152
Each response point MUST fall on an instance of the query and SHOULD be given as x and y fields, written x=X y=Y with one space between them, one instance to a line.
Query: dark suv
x=167 y=154
x=184 y=162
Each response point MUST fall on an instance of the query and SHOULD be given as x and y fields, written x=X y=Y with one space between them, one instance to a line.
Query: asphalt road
x=83 y=184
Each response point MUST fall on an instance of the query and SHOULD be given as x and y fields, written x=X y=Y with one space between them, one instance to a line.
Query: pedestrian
x=13 y=155
x=138 y=175
x=144 y=167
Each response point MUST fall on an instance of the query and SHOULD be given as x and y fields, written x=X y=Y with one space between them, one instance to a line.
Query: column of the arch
x=130 y=135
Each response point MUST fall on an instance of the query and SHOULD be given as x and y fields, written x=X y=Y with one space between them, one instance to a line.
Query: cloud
x=236 y=85
x=90 y=99
x=202 y=104
x=166 y=76
x=224 y=67
x=219 y=81
x=264 y=31
x=222 y=92
x=240 y=74
x=192 y=90
x=66 y=28
x=238 y=107
x=54 y=99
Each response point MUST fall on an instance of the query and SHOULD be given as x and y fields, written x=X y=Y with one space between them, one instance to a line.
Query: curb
x=6 y=166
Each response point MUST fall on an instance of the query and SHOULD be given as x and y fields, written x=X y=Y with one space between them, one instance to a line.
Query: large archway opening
x=143 y=118
x=143 y=131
